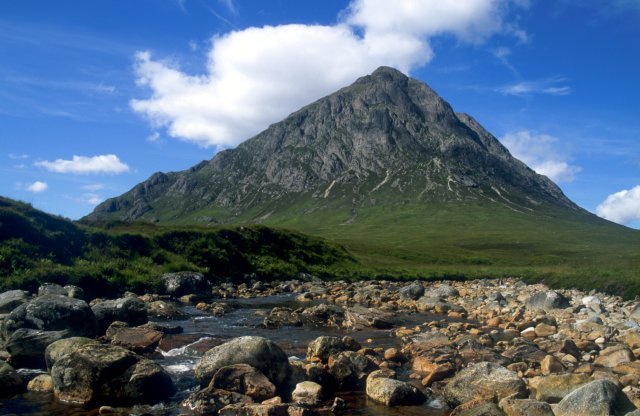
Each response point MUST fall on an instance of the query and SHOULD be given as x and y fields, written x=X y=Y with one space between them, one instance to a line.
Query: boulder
x=547 y=301
x=392 y=392
x=444 y=291
x=485 y=381
x=258 y=352
x=10 y=381
x=525 y=407
x=322 y=347
x=598 y=398
x=411 y=292
x=361 y=317
x=60 y=348
x=107 y=374
x=32 y=326
x=41 y=383
x=211 y=401
x=554 y=388
x=307 y=393
x=244 y=379
x=477 y=408
x=130 y=310
x=264 y=409
x=165 y=310
x=349 y=370
x=614 y=355
x=12 y=299
x=74 y=291
x=185 y=283
x=51 y=289
x=138 y=340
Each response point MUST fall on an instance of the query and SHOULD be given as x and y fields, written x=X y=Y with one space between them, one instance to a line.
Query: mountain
x=387 y=138
x=389 y=170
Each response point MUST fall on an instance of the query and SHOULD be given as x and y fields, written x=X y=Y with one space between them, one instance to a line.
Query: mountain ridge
x=386 y=136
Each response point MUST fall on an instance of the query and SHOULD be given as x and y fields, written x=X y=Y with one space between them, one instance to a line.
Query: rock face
x=484 y=380
x=391 y=392
x=12 y=299
x=32 y=326
x=106 y=374
x=130 y=310
x=184 y=283
x=598 y=398
x=258 y=352
x=373 y=139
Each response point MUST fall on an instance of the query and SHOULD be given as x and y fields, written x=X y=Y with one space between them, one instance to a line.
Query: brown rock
x=551 y=364
x=544 y=330
x=612 y=356
x=41 y=383
x=525 y=407
x=138 y=340
x=243 y=379
x=553 y=388
x=439 y=373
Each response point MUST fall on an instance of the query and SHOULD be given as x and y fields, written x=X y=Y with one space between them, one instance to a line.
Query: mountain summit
x=386 y=140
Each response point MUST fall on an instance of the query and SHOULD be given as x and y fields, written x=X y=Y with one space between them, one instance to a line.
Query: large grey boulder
x=258 y=352
x=598 y=398
x=185 y=283
x=322 y=347
x=32 y=326
x=105 y=374
x=58 y=349
x=413 y=291
x=484 y=380
x=10 y=381
x=129 y=309
x=12 y=299
x=547 y=301
x=392 y=392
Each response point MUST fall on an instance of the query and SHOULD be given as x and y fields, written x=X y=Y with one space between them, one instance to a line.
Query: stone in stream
x=138 y=340
x=478 y=408
x=323 y=347
x=307 y=393
x=244 y=379
x=411 y=292
x=361 y=317
x=391 y=392
x=10 y=381
x=258 y=352
x=129 y=309
x=32 y=326
x=525 y=407
x=106 y=374
x=547 y=301
x=486 y=381
x=60 y=348
x=185 y=283
x=349 y=370
x=211 y=401
x=41 y=383
x=12 y=299
x=598 y=398
x=165 y=310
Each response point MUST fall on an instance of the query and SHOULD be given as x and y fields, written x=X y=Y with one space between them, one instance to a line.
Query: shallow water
x=202 y=331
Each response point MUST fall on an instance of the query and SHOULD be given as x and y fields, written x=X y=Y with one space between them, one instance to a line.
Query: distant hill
x=388 y=169
x=36 y=247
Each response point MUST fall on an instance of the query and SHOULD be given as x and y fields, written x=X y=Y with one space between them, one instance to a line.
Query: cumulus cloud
x=257 y=76
x=540 y=152
x=622 y=207
x=85 y=165
x=37 y=187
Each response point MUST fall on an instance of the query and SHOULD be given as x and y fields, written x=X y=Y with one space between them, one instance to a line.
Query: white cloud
x=92 y=199
x=16 y=156
x=153 y=137
x=37 y=187
x=93 y=187
x=622 y=207
x=551 y=86
x=257 y=76
x=540 y=152
x=84 y=165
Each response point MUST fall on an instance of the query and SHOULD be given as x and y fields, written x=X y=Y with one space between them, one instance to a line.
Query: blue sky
x=96 y=96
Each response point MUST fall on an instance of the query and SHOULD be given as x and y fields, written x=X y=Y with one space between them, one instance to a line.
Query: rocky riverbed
x=488 y=347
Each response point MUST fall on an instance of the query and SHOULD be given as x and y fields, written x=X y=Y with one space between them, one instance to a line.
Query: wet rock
x=138 y=340
x=484 y=380
x=547 y=301
x=210 y=401
x=279 y=317
x=244 y=379
x=258 y=352
x=598 y=398
x=185 y=283
x=41 y=383
x=32 y=326
x=349 y=370
x=106 y=374
x=165 y=310
x=164 y=328
x=391 y=392
x=129 y=309
x=10 y=381
x=307 y=393
x=525 y=407
x=322 y=347
x=413 y=291
x=361 y=317
x=12 y=299
x=60 y=348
